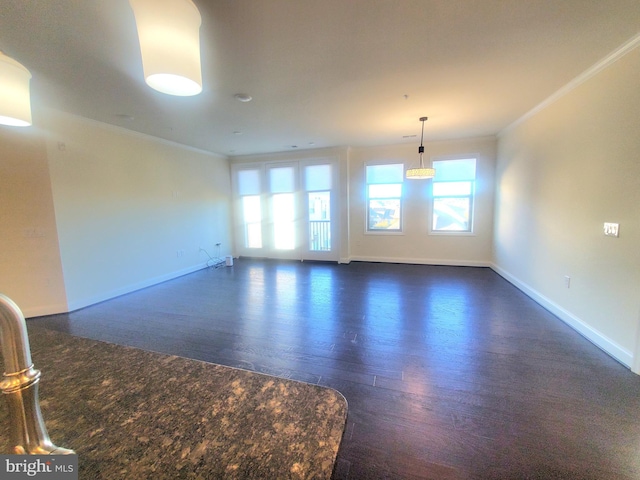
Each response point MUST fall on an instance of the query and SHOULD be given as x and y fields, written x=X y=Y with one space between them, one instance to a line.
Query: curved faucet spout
x=19 y=386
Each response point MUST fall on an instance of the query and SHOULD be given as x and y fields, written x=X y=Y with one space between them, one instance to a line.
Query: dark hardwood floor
x=450 y=372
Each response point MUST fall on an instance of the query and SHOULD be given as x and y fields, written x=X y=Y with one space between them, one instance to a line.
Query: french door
x=286 y=210
x=283 y=211
x=319 y=187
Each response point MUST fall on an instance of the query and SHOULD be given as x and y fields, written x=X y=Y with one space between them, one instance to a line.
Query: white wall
x=560 y=175
x=30 y=268
x=126 y=204
x=415 y=245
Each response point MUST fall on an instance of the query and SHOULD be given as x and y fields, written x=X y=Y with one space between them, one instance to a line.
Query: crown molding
x=607 y=61
x=48 y=112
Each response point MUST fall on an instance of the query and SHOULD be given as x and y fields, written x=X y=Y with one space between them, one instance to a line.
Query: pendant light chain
x=421 y=149
x=421 y=172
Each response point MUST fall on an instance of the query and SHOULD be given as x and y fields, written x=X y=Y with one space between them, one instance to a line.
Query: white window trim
x=450 y=233
x=453 y=233
x=301 y=162
x=367 y=231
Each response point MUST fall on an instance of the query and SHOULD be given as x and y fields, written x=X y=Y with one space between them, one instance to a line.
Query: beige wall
x=30 y=269
x=415 y=244
x=114 y=210
x=126 y=204
x=560 y=175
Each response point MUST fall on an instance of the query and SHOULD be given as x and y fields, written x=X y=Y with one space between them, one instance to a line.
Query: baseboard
x=594 y=336
x=42 y=310
x=78 y=304
x=420 y=261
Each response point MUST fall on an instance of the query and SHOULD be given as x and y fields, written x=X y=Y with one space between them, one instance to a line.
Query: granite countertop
x=134 y=414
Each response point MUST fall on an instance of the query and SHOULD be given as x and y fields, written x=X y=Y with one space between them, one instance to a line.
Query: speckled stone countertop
x=133 y=414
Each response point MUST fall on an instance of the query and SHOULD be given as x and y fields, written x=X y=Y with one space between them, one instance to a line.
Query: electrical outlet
x=611 y=229
x=567 y=281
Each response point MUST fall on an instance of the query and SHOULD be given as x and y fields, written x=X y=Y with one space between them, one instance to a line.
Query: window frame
x=239 y=205
x=373 y=231
x=471 y=196
x=337 y=191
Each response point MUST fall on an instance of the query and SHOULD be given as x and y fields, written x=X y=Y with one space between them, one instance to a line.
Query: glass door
x=249 y=212
x=284 y=238
x=287 y=209
x=320 y=238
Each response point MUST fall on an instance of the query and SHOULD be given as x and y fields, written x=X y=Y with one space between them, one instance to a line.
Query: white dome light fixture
x=15 y=97
x=421 y=172
x=169 y=35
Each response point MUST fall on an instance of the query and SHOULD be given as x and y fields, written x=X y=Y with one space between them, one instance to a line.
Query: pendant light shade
x=169 y=35
x=421 y=172
x=15 y=99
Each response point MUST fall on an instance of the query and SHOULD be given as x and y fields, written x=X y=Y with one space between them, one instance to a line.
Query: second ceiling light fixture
x=169 y=35
x=421 y=172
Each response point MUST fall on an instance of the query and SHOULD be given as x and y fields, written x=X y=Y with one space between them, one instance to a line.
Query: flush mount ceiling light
x=421 y=172
x=15 y=99
x=243 y=97
x=169 y=35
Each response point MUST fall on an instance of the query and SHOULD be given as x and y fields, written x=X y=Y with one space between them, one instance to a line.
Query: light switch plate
x=611 y=229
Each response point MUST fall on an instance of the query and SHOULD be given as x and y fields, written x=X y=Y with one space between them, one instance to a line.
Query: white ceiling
x=321 y=72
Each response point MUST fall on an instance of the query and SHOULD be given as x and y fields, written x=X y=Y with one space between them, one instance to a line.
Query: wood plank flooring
x=450 y=372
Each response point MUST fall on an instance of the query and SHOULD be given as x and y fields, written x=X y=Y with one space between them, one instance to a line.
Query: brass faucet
x=20 y=386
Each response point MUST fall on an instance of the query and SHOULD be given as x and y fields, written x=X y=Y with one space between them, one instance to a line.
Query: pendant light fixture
x=15 y=99
x=421 y=173
x=169 y=35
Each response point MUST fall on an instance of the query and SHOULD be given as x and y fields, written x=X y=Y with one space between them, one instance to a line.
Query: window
x=453 y=190
x=318 y=186
x=283 y=212
x=287 y=209
x=249 y=192
x=384 y=197
x=252 y=221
